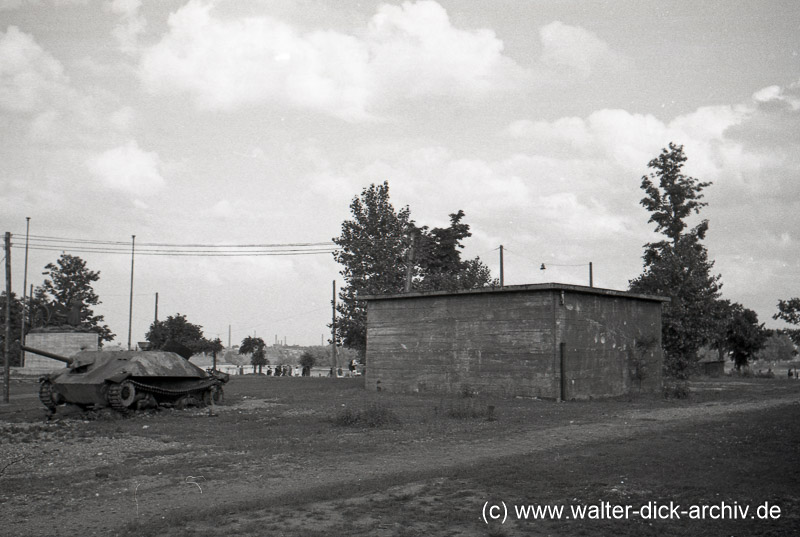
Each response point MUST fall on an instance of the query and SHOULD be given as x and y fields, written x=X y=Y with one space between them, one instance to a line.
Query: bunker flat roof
x=517 y=289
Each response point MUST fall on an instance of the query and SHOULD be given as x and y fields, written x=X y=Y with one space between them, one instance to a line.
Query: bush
x=469 y=408
x=676 y=390
x=744 y=372
x=468 y=391
x=373 y=415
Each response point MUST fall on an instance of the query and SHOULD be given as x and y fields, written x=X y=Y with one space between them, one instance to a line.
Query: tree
x=176 y=330
x=69 y=295
x=778 y=348
x=256 y=347
x=307 y=361
x=740 y=334
x=678 y=268
x=380 y=247
x=675 y=198
x=214 y=346
x=439 y=263
x=789 y=311
x=372 y=251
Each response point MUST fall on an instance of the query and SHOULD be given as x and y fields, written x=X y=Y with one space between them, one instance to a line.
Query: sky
x=258 y=121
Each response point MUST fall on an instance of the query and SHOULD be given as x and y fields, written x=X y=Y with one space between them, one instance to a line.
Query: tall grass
x=372 y=415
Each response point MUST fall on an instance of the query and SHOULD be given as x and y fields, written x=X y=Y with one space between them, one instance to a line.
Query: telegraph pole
x=501 y=265
x=24 y=290
x=130 y=308
x=156 y=319
x=333 y=331
x=410 y=264
x=7 y=353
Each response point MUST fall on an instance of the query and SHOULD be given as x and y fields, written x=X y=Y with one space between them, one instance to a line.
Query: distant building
x=545 y=340
x=711 y=363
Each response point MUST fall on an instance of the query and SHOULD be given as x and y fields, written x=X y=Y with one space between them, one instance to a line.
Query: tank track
x=166 y=391
x=46 y=395
x=115 y=398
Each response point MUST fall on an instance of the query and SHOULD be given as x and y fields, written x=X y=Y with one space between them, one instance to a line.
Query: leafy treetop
x=740 y=332
x=675 y=197
x=789 y=311
x=177 y=329
x=379 y=248
x=679 y=267
x=256 y=347
x=69 y=289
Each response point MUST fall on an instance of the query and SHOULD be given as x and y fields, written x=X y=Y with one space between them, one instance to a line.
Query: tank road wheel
x=46 y=395
x=214 y=393
x=121 y=396
x=186 y=401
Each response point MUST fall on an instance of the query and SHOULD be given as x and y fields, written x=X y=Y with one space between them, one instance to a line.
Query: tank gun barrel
x=54 y=356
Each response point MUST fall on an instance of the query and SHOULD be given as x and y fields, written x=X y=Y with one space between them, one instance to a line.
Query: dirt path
x=247 y=485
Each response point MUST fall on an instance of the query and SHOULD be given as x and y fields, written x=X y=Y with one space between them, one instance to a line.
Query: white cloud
x=129 y=169
x=122 y=118
x=31 y=80
x=406 y=51
x=131 y=25
x=577 y=49
x=628 y=141
x=223 y=209
x=15 y=4
x=10 y=4
x=36 y=91
x=228 y=63
x=790 y=95
x=415 y=50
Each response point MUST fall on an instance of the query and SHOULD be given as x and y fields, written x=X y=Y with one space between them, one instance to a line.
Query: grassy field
x=306 y=456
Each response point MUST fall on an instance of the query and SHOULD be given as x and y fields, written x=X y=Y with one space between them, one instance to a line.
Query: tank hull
x=147 y=378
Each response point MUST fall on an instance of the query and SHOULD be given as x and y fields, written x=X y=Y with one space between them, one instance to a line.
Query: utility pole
x=229 y=336
x=24 y=290
x=410 y=264
x=156 y=319
x=591 y=276
x=333 y=331
x=7 y=353
x=130 y=308
x=501 y=265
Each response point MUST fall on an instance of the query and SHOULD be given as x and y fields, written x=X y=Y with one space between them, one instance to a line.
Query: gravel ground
x=57 y=478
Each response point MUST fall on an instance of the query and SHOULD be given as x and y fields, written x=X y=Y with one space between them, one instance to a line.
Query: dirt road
x=101 y=486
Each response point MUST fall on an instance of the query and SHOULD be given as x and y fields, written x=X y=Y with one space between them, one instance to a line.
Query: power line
x=182 y=253
x=49 y=238
x=56 y=244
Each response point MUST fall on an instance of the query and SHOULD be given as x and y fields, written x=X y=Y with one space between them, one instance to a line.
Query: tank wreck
x=128 y=380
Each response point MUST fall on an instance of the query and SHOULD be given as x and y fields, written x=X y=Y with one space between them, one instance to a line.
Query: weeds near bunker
x=676 y=390
x=373 y=415
x=470 y=409
x=468 y=391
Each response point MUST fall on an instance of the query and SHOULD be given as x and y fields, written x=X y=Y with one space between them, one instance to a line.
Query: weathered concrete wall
x=611 y=345
x=497 y=343
x=62 y=343
x=532 y=343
